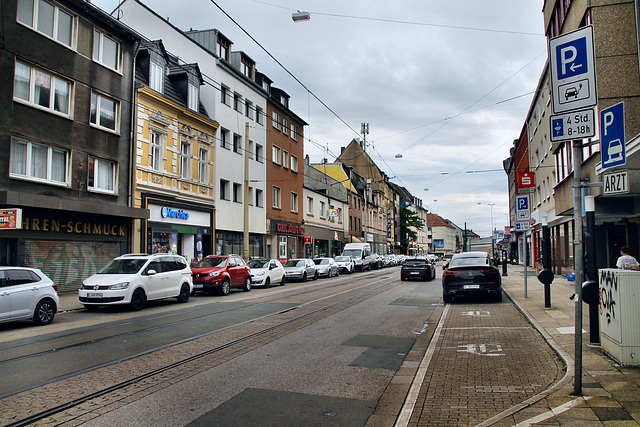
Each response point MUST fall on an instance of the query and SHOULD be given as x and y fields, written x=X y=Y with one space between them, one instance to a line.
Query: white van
x=361 y=254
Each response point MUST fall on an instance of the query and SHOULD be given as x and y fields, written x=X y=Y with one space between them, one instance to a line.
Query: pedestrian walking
x=626 y=261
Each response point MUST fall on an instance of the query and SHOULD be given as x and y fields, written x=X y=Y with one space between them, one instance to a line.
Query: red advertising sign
x=526 y=179
x=10 y=219
x=308 y=239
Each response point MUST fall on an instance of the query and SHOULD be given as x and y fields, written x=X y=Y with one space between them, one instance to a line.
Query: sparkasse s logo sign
x=526 y=179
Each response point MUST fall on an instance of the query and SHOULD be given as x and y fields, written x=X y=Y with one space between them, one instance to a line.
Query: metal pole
x=245 y=243
x=546 y=261
x=526 y=261
x=577 y=256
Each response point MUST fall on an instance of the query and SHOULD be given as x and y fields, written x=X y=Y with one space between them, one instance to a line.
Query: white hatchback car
x=265 y=272
x=27 y=293
x=134 y=279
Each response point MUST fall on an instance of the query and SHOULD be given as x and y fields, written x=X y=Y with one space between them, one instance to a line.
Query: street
x=313 y=353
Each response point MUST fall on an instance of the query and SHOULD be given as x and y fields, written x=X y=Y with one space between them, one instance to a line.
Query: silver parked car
x=27 y=293
x=264 y=272
x=300 y=269
x=326 y=267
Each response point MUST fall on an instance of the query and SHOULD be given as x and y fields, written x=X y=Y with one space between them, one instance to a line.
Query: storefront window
x=165 y=242
x=283 y=247
x=293 y=247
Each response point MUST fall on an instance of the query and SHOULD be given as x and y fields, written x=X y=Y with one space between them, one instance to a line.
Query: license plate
x=94 y=295
x=415 y=272
x=472 y=286
x=197 y=286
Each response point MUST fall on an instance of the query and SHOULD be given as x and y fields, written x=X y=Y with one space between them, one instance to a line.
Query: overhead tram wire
x=283 y=67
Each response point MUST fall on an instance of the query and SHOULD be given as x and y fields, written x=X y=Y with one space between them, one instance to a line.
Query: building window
x=102 y=175
x=104 y=112
x=259 y=153
x=276 y=197
x=259 y=198
x=259 y=115
x=237 y=143
x=156 y=82
x=38 y=162
x=245 y=69
x=224 y=189
x=185 y=156
x=224 y=138
x=285 y=126
x=275 y=155
x=106 y=50
x=47 y=19
x=294 y=132
x=294 y=164
x=156 y=151
x=285 y=159
x=276 y=120
x=237 y=102
x=322 y=213
x=251 y=198
x=294 y=202
x=203 y=165
x=225 y=96
x=223 y=50
x=194 y=98
x=309 y=206
x=248 y=109
x=41 y=89
x=237 y=192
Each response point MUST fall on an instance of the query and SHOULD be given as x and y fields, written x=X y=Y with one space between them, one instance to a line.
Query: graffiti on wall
x=69 y=263
x=608 y=294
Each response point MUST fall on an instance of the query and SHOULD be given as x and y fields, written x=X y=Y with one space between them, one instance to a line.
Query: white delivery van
x=361 y=254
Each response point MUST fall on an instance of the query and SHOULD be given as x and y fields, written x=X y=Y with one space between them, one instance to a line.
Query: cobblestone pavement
x=509 y=364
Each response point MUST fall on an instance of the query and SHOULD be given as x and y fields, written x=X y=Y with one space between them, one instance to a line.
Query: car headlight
x=119 y=286
x=259 y=274
x=214 y=273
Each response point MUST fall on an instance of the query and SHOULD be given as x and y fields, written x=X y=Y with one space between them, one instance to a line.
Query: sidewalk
x=610 y=393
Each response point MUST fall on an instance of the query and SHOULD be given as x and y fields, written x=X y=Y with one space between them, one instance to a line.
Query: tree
x=409 y=220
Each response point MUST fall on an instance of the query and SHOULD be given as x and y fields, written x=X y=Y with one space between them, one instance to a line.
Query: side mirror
x=151 y=272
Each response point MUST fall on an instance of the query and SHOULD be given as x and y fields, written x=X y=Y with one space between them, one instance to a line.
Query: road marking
x=552 y=413
x=412 y=396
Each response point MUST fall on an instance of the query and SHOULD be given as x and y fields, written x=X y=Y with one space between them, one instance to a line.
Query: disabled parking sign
x=573 y=78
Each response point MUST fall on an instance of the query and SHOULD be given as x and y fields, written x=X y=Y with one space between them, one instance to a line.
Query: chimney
x=306 y=158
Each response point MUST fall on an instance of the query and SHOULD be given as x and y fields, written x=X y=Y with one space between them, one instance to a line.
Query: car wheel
x=225 y=287
x=448 y=299
x=329 y=274
x=184 y=293
x=138 y=300
x=337 y=273
x=267 y=283
x=284 y=280
x=45 y=312
x=315 y=276
x=351 y=270
x=498 y=297
x=247 y=284
x=304 y=277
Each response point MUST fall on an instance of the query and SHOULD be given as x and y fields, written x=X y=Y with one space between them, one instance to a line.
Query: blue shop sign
x=170 y=213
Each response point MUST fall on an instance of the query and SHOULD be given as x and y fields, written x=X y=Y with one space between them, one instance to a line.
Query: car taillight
x=489 y=271
x=451 y=272
x=55 y=287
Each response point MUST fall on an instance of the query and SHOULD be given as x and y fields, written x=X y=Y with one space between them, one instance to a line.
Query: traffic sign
x=573 y=64
x=616 y=182
x=522 y=226
x=612 y=141
x=522 y=208
x=573 y=125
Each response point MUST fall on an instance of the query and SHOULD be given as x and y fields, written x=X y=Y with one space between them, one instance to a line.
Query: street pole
x=590 y=268
x=577 y=256
x=245 y=243
x=546 y=259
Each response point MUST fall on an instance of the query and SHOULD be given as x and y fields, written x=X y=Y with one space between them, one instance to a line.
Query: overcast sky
x=445 y=84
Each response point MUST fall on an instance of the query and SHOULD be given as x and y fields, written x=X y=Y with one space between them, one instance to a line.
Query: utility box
x=619 y=314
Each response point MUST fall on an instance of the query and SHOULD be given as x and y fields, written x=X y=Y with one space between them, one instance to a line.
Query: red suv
x=221 y=273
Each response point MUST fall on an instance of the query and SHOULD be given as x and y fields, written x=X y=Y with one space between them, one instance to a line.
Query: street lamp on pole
x=491 y=205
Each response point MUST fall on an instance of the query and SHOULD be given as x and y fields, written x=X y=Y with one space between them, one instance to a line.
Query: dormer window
x=246 y=69
x=223 y=50
x=194 y=99
x=284 y=101
x=156 y=81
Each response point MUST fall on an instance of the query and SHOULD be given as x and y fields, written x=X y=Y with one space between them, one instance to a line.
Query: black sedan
x=417 y=268
x=473 y=274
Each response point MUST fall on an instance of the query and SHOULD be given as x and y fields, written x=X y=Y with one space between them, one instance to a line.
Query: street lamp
x=491 y=205
x=300 y=16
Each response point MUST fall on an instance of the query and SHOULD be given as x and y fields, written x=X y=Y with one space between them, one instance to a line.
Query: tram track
x=273 y=325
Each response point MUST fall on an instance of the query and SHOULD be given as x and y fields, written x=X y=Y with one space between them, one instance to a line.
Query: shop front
x=178 y=228
x=67 y=246
x=324 y=242
x=284 y=240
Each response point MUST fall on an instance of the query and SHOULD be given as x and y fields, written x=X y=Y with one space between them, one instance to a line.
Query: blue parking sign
x=558 y=127
x=612 y=140
x=571 y=58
